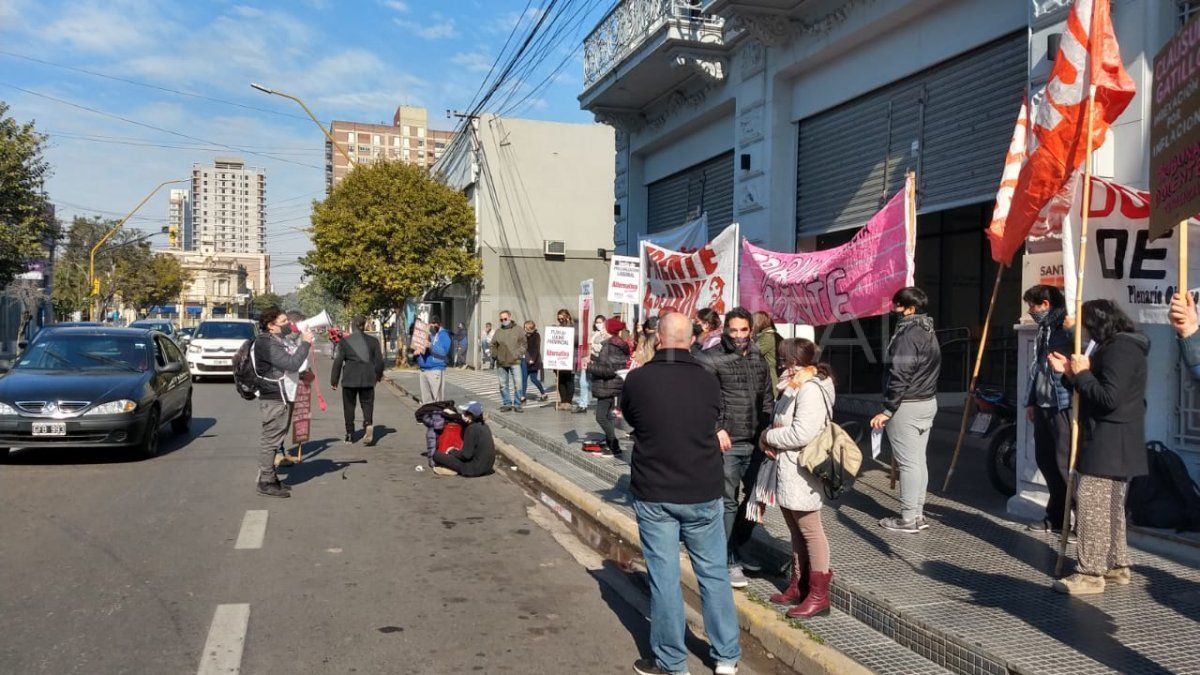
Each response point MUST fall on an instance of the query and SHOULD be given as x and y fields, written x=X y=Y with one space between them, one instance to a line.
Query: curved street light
x=268 y=90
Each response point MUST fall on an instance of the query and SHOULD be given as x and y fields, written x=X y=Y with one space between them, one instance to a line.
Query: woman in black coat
x=1112 y=444
x=606 y=383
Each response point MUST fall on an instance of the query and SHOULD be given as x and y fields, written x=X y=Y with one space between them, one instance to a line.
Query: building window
x=375 y=140
x=420 y=132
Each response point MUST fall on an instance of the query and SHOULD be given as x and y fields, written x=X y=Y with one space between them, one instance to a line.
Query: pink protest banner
x=852 y=281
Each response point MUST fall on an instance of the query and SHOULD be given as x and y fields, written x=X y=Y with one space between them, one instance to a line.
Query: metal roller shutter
x=950 y=123
x=674 y=200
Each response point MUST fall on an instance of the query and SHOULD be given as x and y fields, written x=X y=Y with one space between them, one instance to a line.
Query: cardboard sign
x=302 y=411
x=624 y=279
x=558 y=348
x=420 y=337
x=1175 y=132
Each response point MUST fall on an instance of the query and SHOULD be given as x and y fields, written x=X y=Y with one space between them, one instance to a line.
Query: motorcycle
x=996 y=418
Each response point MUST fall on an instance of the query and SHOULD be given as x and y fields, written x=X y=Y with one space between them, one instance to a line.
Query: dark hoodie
x=614 y=356
x=1112 y=408
x=914 y=363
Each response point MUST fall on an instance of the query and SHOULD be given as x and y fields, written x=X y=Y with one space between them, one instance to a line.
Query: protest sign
x=558 y=348
x=677 y=281
x=302 y=411
x=852 y=281
x=624 y=279
x=686 y=238
x=1175 y=131
x=420 y=337
x=585 y=317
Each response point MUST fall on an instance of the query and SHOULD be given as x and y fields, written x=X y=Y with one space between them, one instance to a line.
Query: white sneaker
x=726 y=669
x=737 y=578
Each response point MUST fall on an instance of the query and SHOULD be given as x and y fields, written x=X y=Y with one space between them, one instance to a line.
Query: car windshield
x=160 y=327
x=224 y=330
x=88 y=352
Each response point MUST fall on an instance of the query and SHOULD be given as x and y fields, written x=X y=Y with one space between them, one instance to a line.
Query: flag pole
x=967 y=404
x=1083 y=232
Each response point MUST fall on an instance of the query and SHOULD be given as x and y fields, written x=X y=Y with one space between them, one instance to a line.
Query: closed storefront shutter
x=680 y=197
x=950 y=123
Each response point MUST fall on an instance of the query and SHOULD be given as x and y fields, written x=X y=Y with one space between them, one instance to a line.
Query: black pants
x=457 y=465
x=366 y=397
x=604 y=417
x=566 y=386
x=1052 y=450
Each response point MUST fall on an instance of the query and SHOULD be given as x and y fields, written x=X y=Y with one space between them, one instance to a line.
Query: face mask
x=742 y=342
x=285 y=329
x=506 y=323
x=897 y=314
x=1040 y=315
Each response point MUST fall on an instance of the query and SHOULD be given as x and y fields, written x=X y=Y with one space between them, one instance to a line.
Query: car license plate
x=49 y=428
x=222 y=360
x=981 y=423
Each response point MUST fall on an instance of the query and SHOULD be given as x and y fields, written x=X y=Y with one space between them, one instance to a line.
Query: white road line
x=226 y=638
x=254 y=529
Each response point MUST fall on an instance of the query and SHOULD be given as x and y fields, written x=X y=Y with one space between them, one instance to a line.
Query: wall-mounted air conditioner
x=555 y=248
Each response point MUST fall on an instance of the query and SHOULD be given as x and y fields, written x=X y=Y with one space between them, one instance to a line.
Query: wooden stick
x=967 y=404
x=1083 y=231
x=1183 y=257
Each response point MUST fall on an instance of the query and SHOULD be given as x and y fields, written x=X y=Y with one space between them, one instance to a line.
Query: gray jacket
x=273 y=357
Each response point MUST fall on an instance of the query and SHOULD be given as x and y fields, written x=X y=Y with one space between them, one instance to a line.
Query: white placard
x=624 y=280
x=558 y=348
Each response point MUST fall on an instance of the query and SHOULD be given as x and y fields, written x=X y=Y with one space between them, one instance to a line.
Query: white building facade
x=179 y=220
x=228 y=209
x=798 y=119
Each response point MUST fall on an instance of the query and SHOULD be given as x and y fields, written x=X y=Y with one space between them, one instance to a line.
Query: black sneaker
x=274 y=489
x=505 y=408
x=517 y=408
x=649 y=667
x=1040 y=526
x=349 y=438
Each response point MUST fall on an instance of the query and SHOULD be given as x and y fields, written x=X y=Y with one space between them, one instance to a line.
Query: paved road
x=111 y=565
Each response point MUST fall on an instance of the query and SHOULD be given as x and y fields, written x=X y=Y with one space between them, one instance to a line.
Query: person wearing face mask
x=594 y=342
x=433 y=361
x=647 y=342
x=747 y=404
x=607 y=383
x=914 y=360
x=1048 y=404
x=508 y=348
x=531 y=364
x=565 y=379
x=710 y=328
x=274 y=359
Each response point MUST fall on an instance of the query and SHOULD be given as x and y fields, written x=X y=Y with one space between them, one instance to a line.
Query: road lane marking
x=254 y=530
x=226 y=638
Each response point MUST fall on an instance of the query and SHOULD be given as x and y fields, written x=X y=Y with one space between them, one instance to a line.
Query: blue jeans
x=584 y=389
x=741 y=472
x=527 y=375
x=661 y=526
x=508 y=384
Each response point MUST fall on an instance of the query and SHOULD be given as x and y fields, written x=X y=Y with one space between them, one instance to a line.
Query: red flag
x=1013 y=161
x=1088 y=56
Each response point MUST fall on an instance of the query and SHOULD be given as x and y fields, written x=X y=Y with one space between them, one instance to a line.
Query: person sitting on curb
x=478 y=454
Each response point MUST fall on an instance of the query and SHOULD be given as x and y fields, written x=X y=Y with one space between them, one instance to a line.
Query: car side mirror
x=173 y=367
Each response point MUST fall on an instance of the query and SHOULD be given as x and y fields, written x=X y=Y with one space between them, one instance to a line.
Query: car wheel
x=181 y=424
x=149 y=445
x=4 y=454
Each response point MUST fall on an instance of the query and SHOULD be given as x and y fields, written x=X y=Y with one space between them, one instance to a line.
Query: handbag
x=833 y=456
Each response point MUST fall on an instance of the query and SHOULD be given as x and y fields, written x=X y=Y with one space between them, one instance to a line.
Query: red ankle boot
x=797 y=587
x=816 y=603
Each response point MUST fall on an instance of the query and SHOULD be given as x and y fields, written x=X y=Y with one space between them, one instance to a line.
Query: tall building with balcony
x=179 y=220
x=228 y=210
x=407 y=139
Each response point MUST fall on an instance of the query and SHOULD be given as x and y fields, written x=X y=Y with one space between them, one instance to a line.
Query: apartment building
x=179 y=220
x=408 y=139
x=228 y=208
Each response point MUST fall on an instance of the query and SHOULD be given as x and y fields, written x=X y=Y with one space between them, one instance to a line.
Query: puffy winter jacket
x=915 y=362
x=274 y=357
x=614 y=356
x=747 y=399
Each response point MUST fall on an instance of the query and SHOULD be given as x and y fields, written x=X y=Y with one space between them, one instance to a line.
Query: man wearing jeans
x=508 y=348
x=676 y=480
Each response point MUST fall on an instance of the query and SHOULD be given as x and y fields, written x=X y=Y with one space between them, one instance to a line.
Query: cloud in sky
x=439 y=29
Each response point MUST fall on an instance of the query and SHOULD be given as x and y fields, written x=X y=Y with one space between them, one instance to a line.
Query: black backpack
x=245 y=376
x=1167 y=497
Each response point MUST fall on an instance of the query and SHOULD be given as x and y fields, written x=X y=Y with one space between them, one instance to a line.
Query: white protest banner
x=558 y=348
x=624 y=279
x=686 y=238
x=677 y=281
x=585 y=317
x=1122 y=264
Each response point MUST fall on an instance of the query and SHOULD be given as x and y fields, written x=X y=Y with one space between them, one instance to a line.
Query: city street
x=117 y=565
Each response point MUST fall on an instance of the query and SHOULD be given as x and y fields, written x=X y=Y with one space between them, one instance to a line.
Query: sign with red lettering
x=687 y=282
x=1175 y=132
x=624 y=280
x=302 y=410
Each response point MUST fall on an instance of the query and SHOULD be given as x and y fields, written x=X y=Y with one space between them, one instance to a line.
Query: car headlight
x=6 y=409
x=113 y=408
x=193 y=349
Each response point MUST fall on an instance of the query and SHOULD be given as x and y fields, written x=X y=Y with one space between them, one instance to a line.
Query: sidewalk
x=970 y=595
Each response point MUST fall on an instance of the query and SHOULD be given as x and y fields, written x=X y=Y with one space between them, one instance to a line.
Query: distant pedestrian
x=768 y=342
x=591 y=344
x=275 y=359
x=358 y=367
x=565 y=379
x=432 y=360
x=710 y=328
x=804 y=409
x=1184 y=321
x=508 y=348
x=478 y=454
x=607 y=382
x=910 y=403
x=458 y=345
x=485 y=346
x=1112 y=443
x=531 y=365
x=674 y=406
x=1048 y=403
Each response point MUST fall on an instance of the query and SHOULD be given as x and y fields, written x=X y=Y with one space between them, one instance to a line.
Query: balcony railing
x=630 y=23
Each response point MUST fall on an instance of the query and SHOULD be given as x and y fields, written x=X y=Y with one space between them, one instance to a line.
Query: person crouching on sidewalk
x=606 y=383
x=478 y=454
x=804 y=408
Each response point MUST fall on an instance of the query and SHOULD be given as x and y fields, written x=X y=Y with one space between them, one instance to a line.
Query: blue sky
x=350 y=60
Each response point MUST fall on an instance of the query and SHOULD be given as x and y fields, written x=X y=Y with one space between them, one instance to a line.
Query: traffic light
x=95 y=287
x=172 y=235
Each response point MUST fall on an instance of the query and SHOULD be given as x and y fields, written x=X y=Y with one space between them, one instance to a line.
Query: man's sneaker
x=543 y=397
x=896 y=525
x=505 y=408
x=274 y=489
x=649 y=667
x=922 y=524
x=726 y=669
x=1040 y=526
x=1120 y=576
x=737 y=578
x=579 y=409
x=518 y=408
x=349 y=438
x=1080 y=584
x=369 y=435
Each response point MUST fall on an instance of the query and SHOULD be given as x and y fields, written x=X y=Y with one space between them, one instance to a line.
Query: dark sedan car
x=95 y=387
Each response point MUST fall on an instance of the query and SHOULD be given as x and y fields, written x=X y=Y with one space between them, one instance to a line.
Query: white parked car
x=210 y=353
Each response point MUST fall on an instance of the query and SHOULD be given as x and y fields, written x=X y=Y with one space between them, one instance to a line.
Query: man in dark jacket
x=673 y=405
x=1048 y=404
x=478 y=454
x=747 y=403
x=508 y=348
x=357 y=367
x=910 y=403
x=1187 y=326
x=607 y=382
x=274 y=360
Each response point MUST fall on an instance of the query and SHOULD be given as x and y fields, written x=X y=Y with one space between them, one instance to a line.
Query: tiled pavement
x=969 y=595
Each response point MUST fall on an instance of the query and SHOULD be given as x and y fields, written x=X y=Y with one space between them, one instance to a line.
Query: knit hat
x=614 y=326
x=472 y=408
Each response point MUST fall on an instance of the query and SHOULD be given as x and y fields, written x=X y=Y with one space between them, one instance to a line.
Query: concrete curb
x=790 y=645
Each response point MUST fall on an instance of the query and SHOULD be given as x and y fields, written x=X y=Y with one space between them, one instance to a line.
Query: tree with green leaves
x=123 y=264
x=312 y=299
x=266 y=300
x=25 y=222
x=144 y=279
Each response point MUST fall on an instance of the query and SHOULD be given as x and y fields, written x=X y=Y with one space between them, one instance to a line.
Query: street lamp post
x=268 y=90
x=92 y=257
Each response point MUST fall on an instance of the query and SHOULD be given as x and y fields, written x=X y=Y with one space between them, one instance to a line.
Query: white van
x=210 y=353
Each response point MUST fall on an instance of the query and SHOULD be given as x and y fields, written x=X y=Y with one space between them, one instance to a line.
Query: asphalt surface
x=113 y=565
